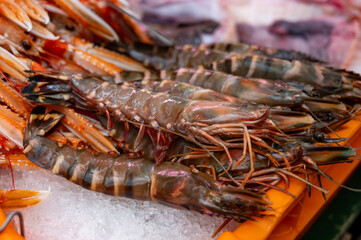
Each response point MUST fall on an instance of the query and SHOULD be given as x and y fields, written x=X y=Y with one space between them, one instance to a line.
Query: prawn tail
x=40 y=123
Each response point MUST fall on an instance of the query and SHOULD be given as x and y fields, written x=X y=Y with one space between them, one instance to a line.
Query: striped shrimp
x=182 y=115
x=170 y=184
x=301 y=156
x=256 y=90
x=250 y=49
x=325 y=80
x=203 y=84
x=174 y=57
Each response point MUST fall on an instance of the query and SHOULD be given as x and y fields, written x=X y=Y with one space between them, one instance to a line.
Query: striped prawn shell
x=323 y=78
x=115 y=175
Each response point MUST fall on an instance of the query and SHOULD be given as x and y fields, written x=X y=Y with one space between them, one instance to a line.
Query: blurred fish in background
x=328 y=30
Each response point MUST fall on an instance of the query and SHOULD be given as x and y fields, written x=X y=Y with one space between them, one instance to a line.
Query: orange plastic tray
x=291 y=219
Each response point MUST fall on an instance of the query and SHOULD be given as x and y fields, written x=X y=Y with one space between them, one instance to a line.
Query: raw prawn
x=167 y=183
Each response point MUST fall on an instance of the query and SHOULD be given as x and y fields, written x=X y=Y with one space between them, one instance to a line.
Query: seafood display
x=92 y=93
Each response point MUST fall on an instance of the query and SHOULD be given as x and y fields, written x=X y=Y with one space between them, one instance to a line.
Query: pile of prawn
x=91 y=93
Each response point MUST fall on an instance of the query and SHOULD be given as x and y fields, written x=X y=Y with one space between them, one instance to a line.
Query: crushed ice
x=72 y=212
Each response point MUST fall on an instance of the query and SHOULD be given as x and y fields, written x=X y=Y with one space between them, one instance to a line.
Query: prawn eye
x=330 y=116
x=319 y=137
x=315 y=94
x=69 y=27
x=26 y=44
